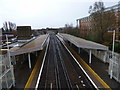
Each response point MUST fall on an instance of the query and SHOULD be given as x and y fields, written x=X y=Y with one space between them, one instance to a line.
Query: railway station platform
x=97 y=66
x=101 y=69
x=26 y=58
x=25 y=77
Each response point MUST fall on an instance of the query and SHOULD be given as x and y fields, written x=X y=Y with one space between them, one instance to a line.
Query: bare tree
x=5 y=26
x=9 y=26
x=101 y=21
x=71 y=30
x=12 y=26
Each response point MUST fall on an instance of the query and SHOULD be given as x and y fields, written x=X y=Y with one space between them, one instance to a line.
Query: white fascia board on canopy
x=82 y=43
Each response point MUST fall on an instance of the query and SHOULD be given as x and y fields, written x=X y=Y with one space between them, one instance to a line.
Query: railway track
x=60 y=69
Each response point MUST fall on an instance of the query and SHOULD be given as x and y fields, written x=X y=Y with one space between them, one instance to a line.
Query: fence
x=114 y=65
x=6 y=72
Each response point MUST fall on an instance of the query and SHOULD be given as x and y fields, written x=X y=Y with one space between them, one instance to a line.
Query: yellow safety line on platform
x=95 y=74
x=28 y=84
x=92 y=71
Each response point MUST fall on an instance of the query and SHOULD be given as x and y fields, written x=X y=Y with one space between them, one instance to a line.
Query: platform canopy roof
x=82 y=43
x=34 y=45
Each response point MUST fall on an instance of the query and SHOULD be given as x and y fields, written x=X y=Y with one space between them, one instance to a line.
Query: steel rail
x=48 y=63
x=95 y=86
x=76 y=71
x=57 y=70
x=64 y=69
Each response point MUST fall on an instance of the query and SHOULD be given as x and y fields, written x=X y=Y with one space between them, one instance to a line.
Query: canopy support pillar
x=29 y=60
x=79 y=50
x=105 y=56
x=36 y=53
x=90 y=57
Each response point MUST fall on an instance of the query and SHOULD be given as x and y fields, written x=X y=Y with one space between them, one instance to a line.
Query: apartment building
x=85 y=26
x=85 y=23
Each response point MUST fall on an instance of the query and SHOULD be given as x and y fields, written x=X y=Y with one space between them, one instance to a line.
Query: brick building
x=85 y=26
x=24 y=33
x=116 y=9
x=85 y=23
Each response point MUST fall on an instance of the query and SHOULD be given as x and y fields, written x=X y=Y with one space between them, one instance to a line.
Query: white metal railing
x=6 y=72
x=114 y=65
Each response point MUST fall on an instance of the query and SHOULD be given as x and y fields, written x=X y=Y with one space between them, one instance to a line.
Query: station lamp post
x=113 y=46
x=113 y=31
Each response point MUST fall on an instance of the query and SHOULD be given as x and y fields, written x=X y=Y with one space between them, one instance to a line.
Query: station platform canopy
x=34 y=45
x=82 y=43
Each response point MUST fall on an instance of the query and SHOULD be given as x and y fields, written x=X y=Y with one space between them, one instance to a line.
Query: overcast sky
x=46 y=13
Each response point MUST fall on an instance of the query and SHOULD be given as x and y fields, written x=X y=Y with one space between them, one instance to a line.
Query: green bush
x=117 y=47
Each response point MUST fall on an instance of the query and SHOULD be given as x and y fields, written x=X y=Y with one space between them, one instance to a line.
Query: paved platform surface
x=100 y=68
x=22 y=72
